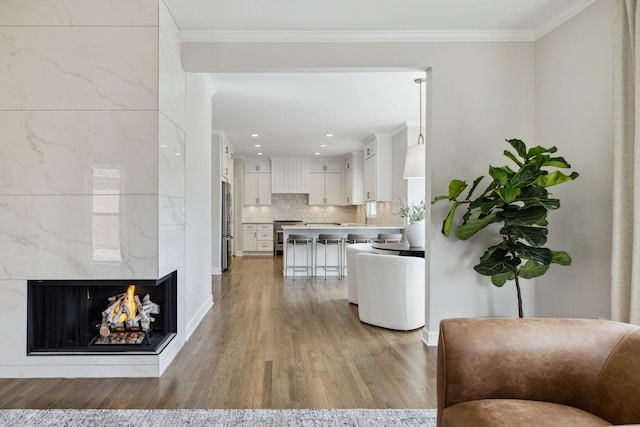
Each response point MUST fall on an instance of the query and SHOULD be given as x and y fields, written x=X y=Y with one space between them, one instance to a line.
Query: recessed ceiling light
x=254 y=135
x=316 y=154
x=259 y=154
x=164 y=146
x=257 y=145
x=328 y=135
x=323 y=145
x=178 y=154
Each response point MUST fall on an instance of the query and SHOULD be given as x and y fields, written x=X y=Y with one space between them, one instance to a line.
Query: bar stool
x=389 y=238
x=297 y=240
x=351 y=239
x=330 y=240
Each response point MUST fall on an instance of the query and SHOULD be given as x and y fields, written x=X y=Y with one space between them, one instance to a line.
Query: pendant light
x=414 y=164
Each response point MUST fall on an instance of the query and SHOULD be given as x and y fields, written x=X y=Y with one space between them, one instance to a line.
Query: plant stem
x=519 y=295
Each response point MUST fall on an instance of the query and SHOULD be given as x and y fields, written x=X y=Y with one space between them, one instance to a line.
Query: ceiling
x=292 y=112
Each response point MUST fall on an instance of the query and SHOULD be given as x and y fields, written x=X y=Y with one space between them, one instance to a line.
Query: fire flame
x=130 y=301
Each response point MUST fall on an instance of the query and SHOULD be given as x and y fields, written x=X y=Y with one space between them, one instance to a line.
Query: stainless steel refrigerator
x=227 y=225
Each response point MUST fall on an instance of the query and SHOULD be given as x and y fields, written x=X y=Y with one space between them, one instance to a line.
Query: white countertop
x=347 y=226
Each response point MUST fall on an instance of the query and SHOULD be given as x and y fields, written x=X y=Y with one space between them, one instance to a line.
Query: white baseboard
x=216 y=271
x=430 y=338
x=198 y=316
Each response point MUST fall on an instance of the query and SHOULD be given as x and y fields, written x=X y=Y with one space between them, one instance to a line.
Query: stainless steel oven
x=278 y=234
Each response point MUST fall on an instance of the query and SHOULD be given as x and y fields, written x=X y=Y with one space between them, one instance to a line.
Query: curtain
x=625 y=263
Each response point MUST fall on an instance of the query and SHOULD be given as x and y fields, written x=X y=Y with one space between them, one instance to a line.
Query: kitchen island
x=313 y=230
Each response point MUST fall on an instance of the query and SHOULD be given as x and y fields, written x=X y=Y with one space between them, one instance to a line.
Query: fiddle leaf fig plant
x=517 y=198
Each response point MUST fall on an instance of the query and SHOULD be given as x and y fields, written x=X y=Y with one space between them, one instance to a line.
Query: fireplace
x=75 y=316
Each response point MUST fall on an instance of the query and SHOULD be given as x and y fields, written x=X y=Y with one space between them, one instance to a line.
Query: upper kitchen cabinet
x=353 y=187
x=325 y=182
x=289 y=175
x=257 y=182
x=222 y=155
x=377 y=168
x=227 y=159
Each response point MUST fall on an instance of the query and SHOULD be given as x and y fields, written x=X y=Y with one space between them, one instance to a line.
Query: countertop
x=347 y=226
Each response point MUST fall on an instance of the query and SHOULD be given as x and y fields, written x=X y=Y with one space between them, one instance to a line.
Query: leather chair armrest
x=552 y=360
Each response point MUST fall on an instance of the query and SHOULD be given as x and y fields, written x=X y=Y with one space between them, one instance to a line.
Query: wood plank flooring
x=268 y=342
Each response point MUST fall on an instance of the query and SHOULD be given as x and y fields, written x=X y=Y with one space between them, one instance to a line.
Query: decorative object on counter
x=414 y=232
x=414 y=164
x=520 y=202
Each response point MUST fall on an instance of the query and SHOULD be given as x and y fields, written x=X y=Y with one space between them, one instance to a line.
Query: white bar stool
x=353 y=238
x=296 y=240
x=329 y=240
x=389 y=238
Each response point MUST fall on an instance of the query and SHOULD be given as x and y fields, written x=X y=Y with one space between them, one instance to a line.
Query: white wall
x=198 y=200
x=482 y=93
x=574 y=73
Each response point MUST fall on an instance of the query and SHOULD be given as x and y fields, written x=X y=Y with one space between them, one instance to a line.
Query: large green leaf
x=448 y=221
x=560 y=257
x=500 y=279
x=499 y=174
x=530 y=270
x=512 y=156
x=535 y=236
x=540 y=256
x=525 y=176
x=534 y=192
x=464 y=231
x=555 y=178
x=456 y=187
x=527 y=216
x=519 y=146
x=508 y=194
x=495 y=260
x=473 y=186
x=549 y=204
x=558 y=162
x=537 y=150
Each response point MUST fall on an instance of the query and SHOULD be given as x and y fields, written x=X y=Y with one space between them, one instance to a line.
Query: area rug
x=217 y=417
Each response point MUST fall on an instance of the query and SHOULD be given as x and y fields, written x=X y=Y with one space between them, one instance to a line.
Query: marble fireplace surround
x=92 y=183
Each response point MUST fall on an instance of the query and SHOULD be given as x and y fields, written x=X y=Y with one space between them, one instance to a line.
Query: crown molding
x=568 y=12
x=356 y=36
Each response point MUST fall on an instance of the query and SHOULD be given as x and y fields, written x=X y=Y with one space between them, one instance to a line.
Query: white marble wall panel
x=79 y=68
x=171 y=158
x=171 y=234
x=13 y=312
x=61 y=152
x=75 y=237
x=172 y=79
x=79 y=12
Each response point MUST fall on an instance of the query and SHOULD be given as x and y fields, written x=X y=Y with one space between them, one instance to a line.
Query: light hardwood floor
x=268 y=342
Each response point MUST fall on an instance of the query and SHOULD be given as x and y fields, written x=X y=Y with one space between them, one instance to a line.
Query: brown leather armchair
x=538 y=372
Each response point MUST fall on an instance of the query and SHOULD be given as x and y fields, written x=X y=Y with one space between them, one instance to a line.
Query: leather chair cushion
x=517 y=413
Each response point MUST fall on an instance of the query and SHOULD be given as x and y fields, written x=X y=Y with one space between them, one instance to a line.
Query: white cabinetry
x=257 y=182
x=289 y=175
x=377 y=168
x=222 y=156
x=325 y=182
x=249 y=238
x=227 y=160
x=353 y=187
x=257 y=237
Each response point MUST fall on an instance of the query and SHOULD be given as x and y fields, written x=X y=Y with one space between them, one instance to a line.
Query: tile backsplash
x=296 y=206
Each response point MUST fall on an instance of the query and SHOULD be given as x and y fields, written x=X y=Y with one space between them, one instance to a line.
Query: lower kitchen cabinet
x=257 y=237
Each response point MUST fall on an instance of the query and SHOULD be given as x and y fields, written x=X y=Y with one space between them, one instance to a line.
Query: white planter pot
x=414 y=232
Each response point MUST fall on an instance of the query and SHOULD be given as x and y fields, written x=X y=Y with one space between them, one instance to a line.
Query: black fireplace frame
x=63 y=315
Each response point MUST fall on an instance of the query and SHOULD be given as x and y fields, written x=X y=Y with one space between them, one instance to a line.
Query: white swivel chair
x=352 y=272
x=391 y=291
